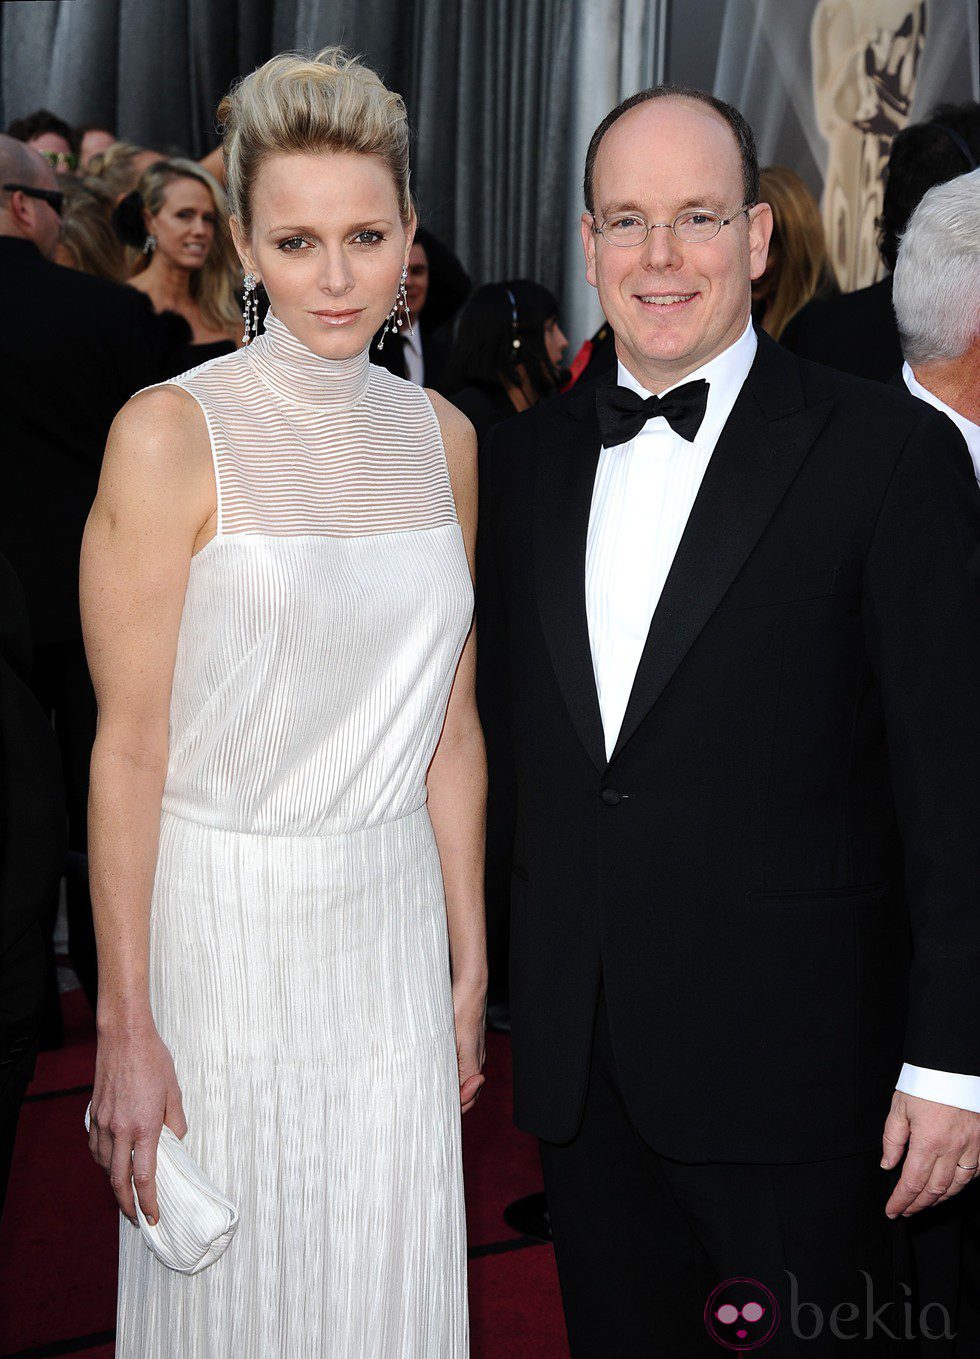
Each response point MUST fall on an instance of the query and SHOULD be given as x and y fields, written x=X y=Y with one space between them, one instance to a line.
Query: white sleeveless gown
x=299 y=965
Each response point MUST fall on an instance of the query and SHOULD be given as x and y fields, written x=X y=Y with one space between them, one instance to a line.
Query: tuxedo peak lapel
x=562 y=503
x=758 y=454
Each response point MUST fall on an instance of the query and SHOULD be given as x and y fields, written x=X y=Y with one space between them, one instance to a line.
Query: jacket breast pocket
x=793 y=586
x=814 y=895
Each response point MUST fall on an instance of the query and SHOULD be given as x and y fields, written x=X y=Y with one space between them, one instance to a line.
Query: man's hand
x=944 y=1148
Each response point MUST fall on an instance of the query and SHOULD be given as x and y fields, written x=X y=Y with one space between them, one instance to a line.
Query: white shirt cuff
x=945 y=1087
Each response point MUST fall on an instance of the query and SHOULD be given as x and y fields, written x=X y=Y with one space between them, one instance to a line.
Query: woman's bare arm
x=154 y=504
x=457 y=785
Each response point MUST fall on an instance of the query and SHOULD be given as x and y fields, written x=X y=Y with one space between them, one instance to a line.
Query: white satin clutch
x=196 y=1220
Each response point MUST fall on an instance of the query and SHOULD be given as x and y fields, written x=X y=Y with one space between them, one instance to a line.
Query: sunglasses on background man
x=53 y=197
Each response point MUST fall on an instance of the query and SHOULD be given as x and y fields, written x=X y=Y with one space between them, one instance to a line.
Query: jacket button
x=610 y=797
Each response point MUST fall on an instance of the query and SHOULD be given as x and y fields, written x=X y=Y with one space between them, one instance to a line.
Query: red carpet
x=59 y=1236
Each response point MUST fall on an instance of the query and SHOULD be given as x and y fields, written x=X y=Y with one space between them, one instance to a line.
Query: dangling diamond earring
x=250 y=308
x=150 y=244
x=399 y=313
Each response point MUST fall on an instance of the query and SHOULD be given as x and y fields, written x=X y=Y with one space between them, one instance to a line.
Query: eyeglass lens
x=629 y=229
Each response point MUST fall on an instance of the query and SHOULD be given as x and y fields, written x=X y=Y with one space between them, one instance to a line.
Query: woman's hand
x=135 y=1093
x=470 y=1010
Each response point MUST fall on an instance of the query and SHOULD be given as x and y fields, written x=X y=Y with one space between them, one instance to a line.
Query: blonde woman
x=184 y=259
x=798 y=267
x=288 y=782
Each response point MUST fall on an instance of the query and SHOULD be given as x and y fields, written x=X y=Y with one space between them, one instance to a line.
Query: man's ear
x=760 y=232
x=588 y=246
x=21 y=209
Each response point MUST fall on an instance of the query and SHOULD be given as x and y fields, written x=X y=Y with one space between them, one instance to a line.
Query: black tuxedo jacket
x=777 y=872
x=75 y=350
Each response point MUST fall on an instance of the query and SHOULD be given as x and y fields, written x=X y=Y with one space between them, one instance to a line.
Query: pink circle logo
x=741 y=1314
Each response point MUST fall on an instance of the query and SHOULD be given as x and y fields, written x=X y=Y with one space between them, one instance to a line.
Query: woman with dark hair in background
x=798 y=266
x=506 y=358
x=507 y=353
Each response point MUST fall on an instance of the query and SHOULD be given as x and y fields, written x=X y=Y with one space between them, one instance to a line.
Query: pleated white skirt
x=302 y=985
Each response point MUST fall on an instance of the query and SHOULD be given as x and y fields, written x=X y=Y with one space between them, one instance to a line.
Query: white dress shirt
x=643 y=494
x=970 y=431
x=642 y=498
x=412 y=349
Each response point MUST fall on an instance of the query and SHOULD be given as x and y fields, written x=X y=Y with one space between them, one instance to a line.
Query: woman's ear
x=241 y=246
x=411 y=226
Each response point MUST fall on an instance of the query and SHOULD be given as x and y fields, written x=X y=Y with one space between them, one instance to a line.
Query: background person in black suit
x=74 y=350
x=436 y=287
x=730 y=644
x=855 y=332
x=937 y=307
x=32 y=850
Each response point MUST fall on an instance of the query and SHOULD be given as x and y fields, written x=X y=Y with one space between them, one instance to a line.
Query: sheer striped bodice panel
x=309 y=445
x=322 y=626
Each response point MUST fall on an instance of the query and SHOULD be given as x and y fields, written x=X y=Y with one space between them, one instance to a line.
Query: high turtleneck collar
x=298 y=376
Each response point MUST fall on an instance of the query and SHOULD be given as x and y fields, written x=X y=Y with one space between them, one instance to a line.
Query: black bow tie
x=623 y=413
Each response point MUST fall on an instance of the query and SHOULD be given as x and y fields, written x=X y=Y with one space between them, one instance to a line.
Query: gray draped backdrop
x=503 y=94
x=485 y=83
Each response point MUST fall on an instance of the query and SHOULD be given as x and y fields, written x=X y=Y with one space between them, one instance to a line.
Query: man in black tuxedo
x=729 y=637
x=73 y=351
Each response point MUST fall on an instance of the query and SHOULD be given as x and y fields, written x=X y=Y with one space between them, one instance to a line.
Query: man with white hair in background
x=936 y=296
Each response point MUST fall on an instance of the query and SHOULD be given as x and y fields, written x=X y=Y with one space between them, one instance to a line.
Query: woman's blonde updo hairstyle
x=328 y=102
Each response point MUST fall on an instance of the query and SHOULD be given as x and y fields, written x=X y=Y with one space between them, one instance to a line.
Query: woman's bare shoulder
x=459 y=441
x=162 y=418
x=453 y=423
x=160 y=439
